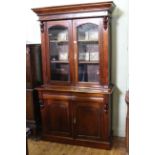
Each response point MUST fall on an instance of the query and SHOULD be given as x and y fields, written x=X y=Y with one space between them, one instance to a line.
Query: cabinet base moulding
x=81 y=142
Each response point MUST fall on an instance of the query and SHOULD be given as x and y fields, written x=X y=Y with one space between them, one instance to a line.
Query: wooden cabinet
x=75 y=98
x=33 y=79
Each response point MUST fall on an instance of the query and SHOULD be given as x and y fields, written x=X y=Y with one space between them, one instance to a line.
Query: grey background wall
x=120 y=76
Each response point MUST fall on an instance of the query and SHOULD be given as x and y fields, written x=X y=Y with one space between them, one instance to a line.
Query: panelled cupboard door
x=56 y=117
x=87 y=119
x=87 y=36
x=59 y=51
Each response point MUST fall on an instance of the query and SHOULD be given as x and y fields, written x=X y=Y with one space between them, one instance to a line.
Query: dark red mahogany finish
x=72 y=111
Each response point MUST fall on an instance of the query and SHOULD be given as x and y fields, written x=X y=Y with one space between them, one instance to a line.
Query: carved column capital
x=42 y=26
x=106 y=20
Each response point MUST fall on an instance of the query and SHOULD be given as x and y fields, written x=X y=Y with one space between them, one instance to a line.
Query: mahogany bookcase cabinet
x=75 y=98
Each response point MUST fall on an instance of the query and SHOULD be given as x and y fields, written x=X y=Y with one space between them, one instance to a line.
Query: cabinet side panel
x=33 y=66
x=36 y=64
x=29 y=105
x=28 y=68
x=107 y=118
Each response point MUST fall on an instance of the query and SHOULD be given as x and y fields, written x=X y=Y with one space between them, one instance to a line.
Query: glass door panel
x=88 y=52
x=88 y=72
x=59 y=52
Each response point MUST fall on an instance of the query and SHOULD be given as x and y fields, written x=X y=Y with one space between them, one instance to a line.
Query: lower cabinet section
x=76 y=118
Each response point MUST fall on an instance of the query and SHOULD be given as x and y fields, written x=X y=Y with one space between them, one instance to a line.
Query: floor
x=39 y=147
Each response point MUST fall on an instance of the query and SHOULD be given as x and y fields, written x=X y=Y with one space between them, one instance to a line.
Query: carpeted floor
x=40 y=147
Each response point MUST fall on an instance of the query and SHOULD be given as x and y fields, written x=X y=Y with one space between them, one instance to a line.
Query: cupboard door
x=87 y=46
x=87 y=119
x=59 y=35
x=55 y=115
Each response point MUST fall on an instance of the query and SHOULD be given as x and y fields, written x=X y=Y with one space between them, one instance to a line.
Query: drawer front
x=56 y=97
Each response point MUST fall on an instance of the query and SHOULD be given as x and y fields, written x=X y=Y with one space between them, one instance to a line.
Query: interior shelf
x=59 y=41
x=59 y=61
x=88 y=41
x=89 y=62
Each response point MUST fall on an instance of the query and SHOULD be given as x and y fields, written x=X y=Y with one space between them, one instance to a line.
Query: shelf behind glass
x=59 y=41
x=59 y=61
x=60 y=72
x=88 y=72
x=88 y=62
x=88 y=41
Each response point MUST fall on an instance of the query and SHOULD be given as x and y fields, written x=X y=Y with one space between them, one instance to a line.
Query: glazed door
x=87 y=47
x=59 y=51
x=88 y=118
x=55 y=114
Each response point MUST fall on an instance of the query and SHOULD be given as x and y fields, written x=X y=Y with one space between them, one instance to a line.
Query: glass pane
x=89 y=72
x=88 y=32
x=59 y=72
x=88 y=52
x=59 y=51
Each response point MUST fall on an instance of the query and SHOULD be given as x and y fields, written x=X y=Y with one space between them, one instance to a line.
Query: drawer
x=56 y=97
x=87 y=99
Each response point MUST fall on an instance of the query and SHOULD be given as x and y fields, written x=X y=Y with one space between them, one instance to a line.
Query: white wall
x=119 y=51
